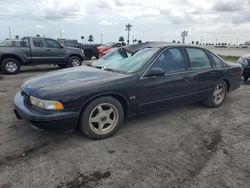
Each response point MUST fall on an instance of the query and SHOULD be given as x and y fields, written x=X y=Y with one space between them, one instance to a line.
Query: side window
x=198 y=59
x=170 y=60
x=217 y=61
x=51 y=43
x=38 y=43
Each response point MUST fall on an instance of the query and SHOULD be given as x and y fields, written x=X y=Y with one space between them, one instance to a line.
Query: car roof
x=137 y=47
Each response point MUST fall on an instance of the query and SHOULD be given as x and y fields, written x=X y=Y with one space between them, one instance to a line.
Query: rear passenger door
x=203 y=74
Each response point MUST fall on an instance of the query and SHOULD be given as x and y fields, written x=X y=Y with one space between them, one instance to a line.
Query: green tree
x=91 y=38
x=135 y=40
x=82 y=37
x=121 y=39
x=173 y=41
x=192 y=42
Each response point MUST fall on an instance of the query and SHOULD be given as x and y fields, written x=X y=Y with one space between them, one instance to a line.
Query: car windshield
x=123 y=61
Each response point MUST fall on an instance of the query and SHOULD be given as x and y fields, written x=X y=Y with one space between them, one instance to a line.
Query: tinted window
x=51 y=44
x=217 y=61
x=198 y=58
x=171 y=60
x=38 y=43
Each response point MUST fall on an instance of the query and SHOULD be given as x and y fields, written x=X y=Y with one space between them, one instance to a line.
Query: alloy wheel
x=103 y=118
x=11 y=67
x=219 y=94
x=76 y=62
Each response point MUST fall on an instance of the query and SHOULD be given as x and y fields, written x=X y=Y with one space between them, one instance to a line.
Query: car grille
x=26 y=97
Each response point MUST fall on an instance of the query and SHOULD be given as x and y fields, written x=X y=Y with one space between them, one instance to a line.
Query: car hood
x=58 y=82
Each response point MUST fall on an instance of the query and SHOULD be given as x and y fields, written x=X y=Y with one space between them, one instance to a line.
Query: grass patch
x=230 y=58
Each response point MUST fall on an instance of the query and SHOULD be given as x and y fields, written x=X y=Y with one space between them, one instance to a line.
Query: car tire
x=245 y=78
x=218 y=95
x=101 y=118
x=10 y=66
x=74 y=61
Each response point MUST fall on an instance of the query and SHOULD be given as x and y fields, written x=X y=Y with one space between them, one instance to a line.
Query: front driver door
x=55 y=53
x=172 y=87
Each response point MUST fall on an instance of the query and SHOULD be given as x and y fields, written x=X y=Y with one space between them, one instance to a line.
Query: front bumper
x=41 y=119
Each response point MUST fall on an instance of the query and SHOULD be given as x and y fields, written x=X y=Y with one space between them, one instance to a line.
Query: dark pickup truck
x=37 y=50
x=90 y=50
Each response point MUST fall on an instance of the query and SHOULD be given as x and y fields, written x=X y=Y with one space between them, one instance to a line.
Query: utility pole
x=101 y=38
x=60 y=34
x=128 y=28
x=184 y=34
x=9 y=33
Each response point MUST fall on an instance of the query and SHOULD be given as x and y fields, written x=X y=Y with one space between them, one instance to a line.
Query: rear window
x=198 y=59
x=38 y=43
x=217 y=61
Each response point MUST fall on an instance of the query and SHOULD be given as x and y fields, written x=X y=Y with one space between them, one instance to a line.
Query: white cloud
x=105 y=22
x=150 y=19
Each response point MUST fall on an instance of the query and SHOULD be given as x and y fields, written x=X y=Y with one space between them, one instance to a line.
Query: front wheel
x=10 y=66
x=102 y=118
x=218 y=96
x=74 y=61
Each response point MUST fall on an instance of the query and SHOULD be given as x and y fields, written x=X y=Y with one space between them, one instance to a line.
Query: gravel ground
x=182 y=146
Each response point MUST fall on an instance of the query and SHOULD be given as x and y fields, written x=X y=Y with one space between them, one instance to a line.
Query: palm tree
x=173 y=41
x=139 y=41
x=82 y=37
x=128 y=28
x=192 y=42
x=17 y=37
x=91 y=38
x=197 y=43
x=135 y=40
x=121 y=39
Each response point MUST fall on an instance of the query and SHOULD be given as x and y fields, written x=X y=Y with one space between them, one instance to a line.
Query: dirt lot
x=183 y=146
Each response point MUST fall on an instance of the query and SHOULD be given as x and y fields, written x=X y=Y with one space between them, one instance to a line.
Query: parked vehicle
x=102 y=50
x=245 y=62
x=37 y=50
x=90 y=50
x=125 y=82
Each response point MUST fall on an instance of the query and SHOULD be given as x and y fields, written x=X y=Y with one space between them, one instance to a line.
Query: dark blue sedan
x=125 y=82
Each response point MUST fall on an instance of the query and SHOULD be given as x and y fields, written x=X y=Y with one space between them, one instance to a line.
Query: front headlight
x=46 y=104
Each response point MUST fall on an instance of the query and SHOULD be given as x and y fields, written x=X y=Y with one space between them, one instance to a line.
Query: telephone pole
x=184 y=34
x=9 y=33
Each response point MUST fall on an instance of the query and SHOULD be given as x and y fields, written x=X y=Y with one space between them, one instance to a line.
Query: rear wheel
x=245 y=78
x=102 y=118
x=10 y=66
x=74 y=61
x=218 y=96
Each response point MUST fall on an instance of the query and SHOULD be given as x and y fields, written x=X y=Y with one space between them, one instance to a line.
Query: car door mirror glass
x=155 y=72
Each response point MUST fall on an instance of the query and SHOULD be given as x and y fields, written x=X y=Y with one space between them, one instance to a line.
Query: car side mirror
x=155 y=72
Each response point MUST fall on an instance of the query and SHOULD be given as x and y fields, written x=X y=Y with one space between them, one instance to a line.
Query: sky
x=206 y=21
